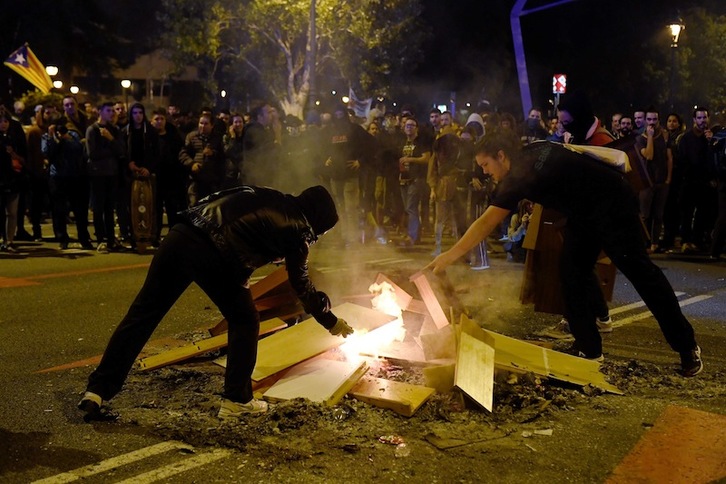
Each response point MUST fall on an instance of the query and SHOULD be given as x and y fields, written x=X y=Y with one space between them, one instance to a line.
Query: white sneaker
x=102 y=248
x=560 y=330
x=605 y=325
x=230 y=409
x=598 y=359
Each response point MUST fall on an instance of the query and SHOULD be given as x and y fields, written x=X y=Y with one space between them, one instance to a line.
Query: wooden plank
x=308 y=338
x=440 y=377
x=475 y=365
x=439 y=344
x=402 y=398
x=403 y=299
x=513 y=354
x=417 y=306
x=270 y=283
x=200 y=347
x=319 y=380
x=429 y=299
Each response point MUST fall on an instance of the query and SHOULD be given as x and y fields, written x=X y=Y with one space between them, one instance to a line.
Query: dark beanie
x=579 y=107
x=319 y=208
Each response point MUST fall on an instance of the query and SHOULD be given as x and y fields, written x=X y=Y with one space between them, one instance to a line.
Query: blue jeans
x=412 y=195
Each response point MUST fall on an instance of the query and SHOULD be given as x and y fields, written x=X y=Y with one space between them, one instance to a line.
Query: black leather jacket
x=254 y=226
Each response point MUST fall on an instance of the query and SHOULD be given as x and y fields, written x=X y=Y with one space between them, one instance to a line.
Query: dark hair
x=107 y=104
x=677 y=116
x=496 y=140
x=257 y=110
x=699 y=108
x=435 y=110
x=651 y=109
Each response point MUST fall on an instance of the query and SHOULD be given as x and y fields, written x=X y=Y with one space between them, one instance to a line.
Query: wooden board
x=319 y=380
x=475 y=364
x=402 y=398
x=403 y=299
x=517 y=355
x=439 y=344
x=200 y=347
x=142 y=211
x=440 y=377
x=429 y=299
x=308 y=338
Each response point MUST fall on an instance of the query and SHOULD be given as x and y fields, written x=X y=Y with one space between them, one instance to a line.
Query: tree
x=369 y=44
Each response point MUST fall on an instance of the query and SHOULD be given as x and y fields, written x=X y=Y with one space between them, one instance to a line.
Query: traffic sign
x=559 y=83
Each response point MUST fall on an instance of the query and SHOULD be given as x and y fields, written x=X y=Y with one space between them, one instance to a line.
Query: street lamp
x=126 y=84
x=51 y=70
x=74 y=89
x=57 y=84
x=675 y=28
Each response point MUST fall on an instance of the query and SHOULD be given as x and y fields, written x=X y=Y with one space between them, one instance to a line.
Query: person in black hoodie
x=220 y=242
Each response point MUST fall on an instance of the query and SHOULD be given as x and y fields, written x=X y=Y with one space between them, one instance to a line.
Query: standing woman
x=11 y=168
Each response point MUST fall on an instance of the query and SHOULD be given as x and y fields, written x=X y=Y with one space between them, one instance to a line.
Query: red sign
x=559 y=84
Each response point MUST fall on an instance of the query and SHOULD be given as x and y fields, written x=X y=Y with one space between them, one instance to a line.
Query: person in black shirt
x=602 y=212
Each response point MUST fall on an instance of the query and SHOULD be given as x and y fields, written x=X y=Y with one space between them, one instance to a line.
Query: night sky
x=597 y=44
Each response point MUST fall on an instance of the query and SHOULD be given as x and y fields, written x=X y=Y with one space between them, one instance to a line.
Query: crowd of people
x=394 y=175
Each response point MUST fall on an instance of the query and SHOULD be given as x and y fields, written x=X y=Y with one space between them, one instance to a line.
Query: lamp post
x=126 y=84
x=675 y=29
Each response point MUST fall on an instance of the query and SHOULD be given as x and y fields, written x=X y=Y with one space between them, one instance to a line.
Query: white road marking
x=114 y=462
x=177 y=467
x=648 y=314
x=635 y=305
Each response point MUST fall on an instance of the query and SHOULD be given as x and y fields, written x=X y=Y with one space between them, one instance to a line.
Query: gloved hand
x=341 y=328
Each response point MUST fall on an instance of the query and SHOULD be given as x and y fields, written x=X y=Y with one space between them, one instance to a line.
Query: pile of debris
x=301 y=360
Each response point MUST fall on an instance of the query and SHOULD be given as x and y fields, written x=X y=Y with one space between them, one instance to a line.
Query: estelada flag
x=24 y=62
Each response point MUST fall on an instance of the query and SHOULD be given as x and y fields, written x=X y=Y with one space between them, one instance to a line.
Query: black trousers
x=616 y=230
x=70 y=193
x=185 y=256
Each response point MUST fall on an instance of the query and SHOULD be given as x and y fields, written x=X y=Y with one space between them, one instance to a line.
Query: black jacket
x=254 y=226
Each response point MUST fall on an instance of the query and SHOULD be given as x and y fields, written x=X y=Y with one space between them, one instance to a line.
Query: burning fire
x=361 y=342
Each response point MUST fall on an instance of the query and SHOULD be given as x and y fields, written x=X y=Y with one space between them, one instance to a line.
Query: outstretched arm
x=479 y=230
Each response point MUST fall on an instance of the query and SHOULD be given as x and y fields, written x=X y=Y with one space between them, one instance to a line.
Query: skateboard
x=142 y=212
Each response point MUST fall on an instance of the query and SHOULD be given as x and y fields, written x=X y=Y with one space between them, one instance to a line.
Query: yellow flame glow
x=368 y=343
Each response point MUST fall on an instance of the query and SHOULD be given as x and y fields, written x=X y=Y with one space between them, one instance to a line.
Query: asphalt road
x=58 y=309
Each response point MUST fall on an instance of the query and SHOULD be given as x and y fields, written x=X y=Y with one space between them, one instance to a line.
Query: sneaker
x=691 y=363
x=689 y=248
x=10 y=248
x=91 y=405
x=63 y=246
x=605 y=325
x=560 y=330
x=102 y=248
x=230 y=409
x=599 y=359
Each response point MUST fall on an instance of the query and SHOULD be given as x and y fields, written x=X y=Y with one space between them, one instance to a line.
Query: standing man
x=347 y=147
x=203 y=156
x=698 y=198
x=171 y=180
x=653 y=151
x=639 y=121
x=602 y=214
x=615 y=125
x=258 y=143
x=219 y=244
x=533 y=129
x=413 y=168
x=105 y=151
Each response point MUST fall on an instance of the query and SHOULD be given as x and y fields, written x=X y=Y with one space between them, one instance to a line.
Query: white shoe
x=560 y=330
x=230 y=409
x=598 y=359
x=605 y=325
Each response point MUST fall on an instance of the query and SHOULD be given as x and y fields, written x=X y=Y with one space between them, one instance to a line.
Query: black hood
x=319 y=209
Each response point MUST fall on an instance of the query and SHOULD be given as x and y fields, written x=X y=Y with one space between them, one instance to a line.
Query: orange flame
x=368 y=343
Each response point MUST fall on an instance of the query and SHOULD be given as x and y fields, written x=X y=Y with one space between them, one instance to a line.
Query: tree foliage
x=369 y=44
